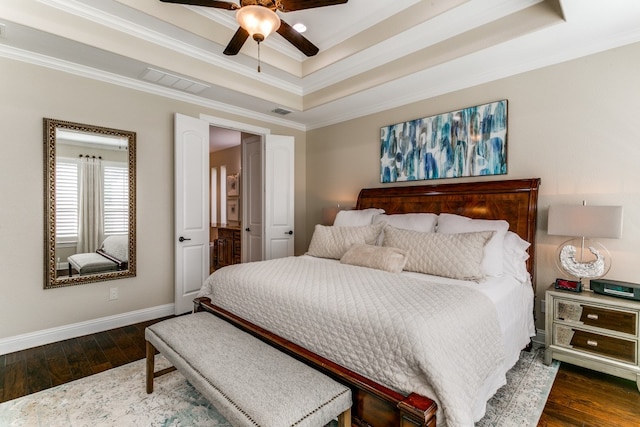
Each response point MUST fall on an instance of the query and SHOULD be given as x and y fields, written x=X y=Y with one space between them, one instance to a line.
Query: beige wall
x=30 y=93
x=574 y=125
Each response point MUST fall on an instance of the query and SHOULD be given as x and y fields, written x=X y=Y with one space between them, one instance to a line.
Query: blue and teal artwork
x=467 y=142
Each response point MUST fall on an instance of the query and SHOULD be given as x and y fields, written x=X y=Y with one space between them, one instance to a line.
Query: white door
x=252 y=196
x=279 y=196
x=191 y=140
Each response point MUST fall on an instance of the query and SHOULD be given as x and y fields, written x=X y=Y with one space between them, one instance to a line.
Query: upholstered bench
x=248 y=381
x=112 y=255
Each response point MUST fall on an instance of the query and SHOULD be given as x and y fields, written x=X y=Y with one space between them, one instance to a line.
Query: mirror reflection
x=90 y=230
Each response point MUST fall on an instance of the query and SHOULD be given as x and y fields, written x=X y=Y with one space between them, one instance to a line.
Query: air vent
x=172 y=81
x=281 y=111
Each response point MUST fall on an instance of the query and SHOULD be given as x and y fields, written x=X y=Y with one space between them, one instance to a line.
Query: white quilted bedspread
x=412 y=336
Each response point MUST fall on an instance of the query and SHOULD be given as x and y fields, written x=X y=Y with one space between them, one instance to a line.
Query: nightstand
x=594 y=331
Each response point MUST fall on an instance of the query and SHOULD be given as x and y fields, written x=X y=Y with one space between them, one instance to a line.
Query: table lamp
x=582 y=257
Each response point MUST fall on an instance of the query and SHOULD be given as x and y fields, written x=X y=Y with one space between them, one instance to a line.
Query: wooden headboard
x=515 y=201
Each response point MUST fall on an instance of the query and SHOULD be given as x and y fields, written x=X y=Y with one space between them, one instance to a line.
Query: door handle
x=290 y=232
x=247 y=229
x=182 y=239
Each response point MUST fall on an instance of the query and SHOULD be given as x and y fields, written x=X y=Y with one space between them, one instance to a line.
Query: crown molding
x=115 y=23
x=106 y=77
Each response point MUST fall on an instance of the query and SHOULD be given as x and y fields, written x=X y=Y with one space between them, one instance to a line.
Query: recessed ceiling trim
x=106 y=77
x=103 y=18
x=427 y=33
x=452 y=46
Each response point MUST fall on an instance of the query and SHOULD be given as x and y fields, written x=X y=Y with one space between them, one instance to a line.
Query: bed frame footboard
x=373 y=404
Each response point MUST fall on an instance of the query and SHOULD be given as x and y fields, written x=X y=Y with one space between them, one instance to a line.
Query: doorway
x=236 y=197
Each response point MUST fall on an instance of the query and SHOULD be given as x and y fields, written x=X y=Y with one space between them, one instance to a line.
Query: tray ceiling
x=374 y=54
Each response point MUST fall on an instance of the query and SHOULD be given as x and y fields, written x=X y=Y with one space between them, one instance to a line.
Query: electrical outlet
x=543 y=306
x=113 y=294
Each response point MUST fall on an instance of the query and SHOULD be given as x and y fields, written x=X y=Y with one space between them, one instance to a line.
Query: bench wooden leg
x=344 y=419
x=151 y=355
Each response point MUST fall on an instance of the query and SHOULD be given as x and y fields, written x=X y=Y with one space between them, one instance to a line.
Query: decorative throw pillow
x=356 y=218
x=492 y=263
x=387 y=259
x=333 y=242
x=457 y=256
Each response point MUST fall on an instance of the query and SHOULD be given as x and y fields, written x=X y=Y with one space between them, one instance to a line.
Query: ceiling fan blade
x=209 y=3
x=236 y=42
x=296 y=39
x=291 y=5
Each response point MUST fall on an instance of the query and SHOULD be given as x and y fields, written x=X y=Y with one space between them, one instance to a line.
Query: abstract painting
x=467 y=142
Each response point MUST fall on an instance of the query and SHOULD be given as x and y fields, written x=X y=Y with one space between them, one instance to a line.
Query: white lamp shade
x=585 y=221
x=258 y=20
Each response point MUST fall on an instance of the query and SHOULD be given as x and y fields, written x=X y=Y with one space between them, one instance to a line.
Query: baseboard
x=47 y=336
x=540 y=337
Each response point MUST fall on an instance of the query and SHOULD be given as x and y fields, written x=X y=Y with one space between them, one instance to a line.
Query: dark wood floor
x=579 y=397
x=28 y=371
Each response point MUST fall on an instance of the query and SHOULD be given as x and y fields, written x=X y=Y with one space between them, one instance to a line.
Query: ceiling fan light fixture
x=258 y=21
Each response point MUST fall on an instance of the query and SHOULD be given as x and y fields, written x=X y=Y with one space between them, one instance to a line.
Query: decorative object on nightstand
x=594 y=331
x=582 y=222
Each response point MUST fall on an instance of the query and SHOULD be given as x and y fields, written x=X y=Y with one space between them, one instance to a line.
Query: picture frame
x=232 y=185
x=470 y=141
x=232 y=210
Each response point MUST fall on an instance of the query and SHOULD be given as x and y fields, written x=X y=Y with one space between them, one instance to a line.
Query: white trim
x=103 y=17
x=232 y=124
x=540 y=337
x=107 y=77
x=46 y=336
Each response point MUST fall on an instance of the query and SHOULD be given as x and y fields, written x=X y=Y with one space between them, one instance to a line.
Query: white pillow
x=423 y=222
x=356 y=218
x=516 y=256
x=492 y=263
x=458 y=256
x=333 y=242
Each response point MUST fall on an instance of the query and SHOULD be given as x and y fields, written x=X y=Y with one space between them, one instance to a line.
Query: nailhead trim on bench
x=173 y=352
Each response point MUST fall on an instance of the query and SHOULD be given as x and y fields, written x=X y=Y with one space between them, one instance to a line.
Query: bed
x=401 y=371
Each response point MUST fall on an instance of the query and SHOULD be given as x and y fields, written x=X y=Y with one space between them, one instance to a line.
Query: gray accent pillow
x=387 y=259
x=457 y=256
x=333 y=242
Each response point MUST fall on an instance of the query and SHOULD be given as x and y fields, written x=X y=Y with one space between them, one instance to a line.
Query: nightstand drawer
x=585 y=314
x=612 y=347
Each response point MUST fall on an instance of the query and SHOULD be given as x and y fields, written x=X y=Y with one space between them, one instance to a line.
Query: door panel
x=279 y=196
x=252 y=191
x=191 y=140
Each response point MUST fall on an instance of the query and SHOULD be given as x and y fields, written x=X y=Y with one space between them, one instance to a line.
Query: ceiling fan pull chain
x=258 y=56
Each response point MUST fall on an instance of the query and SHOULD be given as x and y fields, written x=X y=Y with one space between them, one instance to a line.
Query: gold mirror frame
x=50 y=264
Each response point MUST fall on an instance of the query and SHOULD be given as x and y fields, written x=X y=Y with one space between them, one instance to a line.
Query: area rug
x=118 y=397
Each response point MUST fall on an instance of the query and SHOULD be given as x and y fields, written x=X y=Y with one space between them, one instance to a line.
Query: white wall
x=574 y=125
x=30 y=93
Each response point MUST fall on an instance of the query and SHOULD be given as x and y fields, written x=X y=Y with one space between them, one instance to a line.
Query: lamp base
x=583 y=259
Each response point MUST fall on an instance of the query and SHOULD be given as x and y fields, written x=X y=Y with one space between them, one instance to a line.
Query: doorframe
x=241 y=127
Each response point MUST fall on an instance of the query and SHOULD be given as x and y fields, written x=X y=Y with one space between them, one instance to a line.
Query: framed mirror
x=89 y=203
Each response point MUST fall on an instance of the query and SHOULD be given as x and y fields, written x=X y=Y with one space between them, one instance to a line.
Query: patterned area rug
x=118 y=398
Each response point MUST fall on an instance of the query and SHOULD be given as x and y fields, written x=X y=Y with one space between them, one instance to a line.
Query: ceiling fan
x=258 y=19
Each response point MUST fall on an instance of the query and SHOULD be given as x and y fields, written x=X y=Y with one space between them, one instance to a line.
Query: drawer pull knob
x=592 y=343
x=592 y=316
